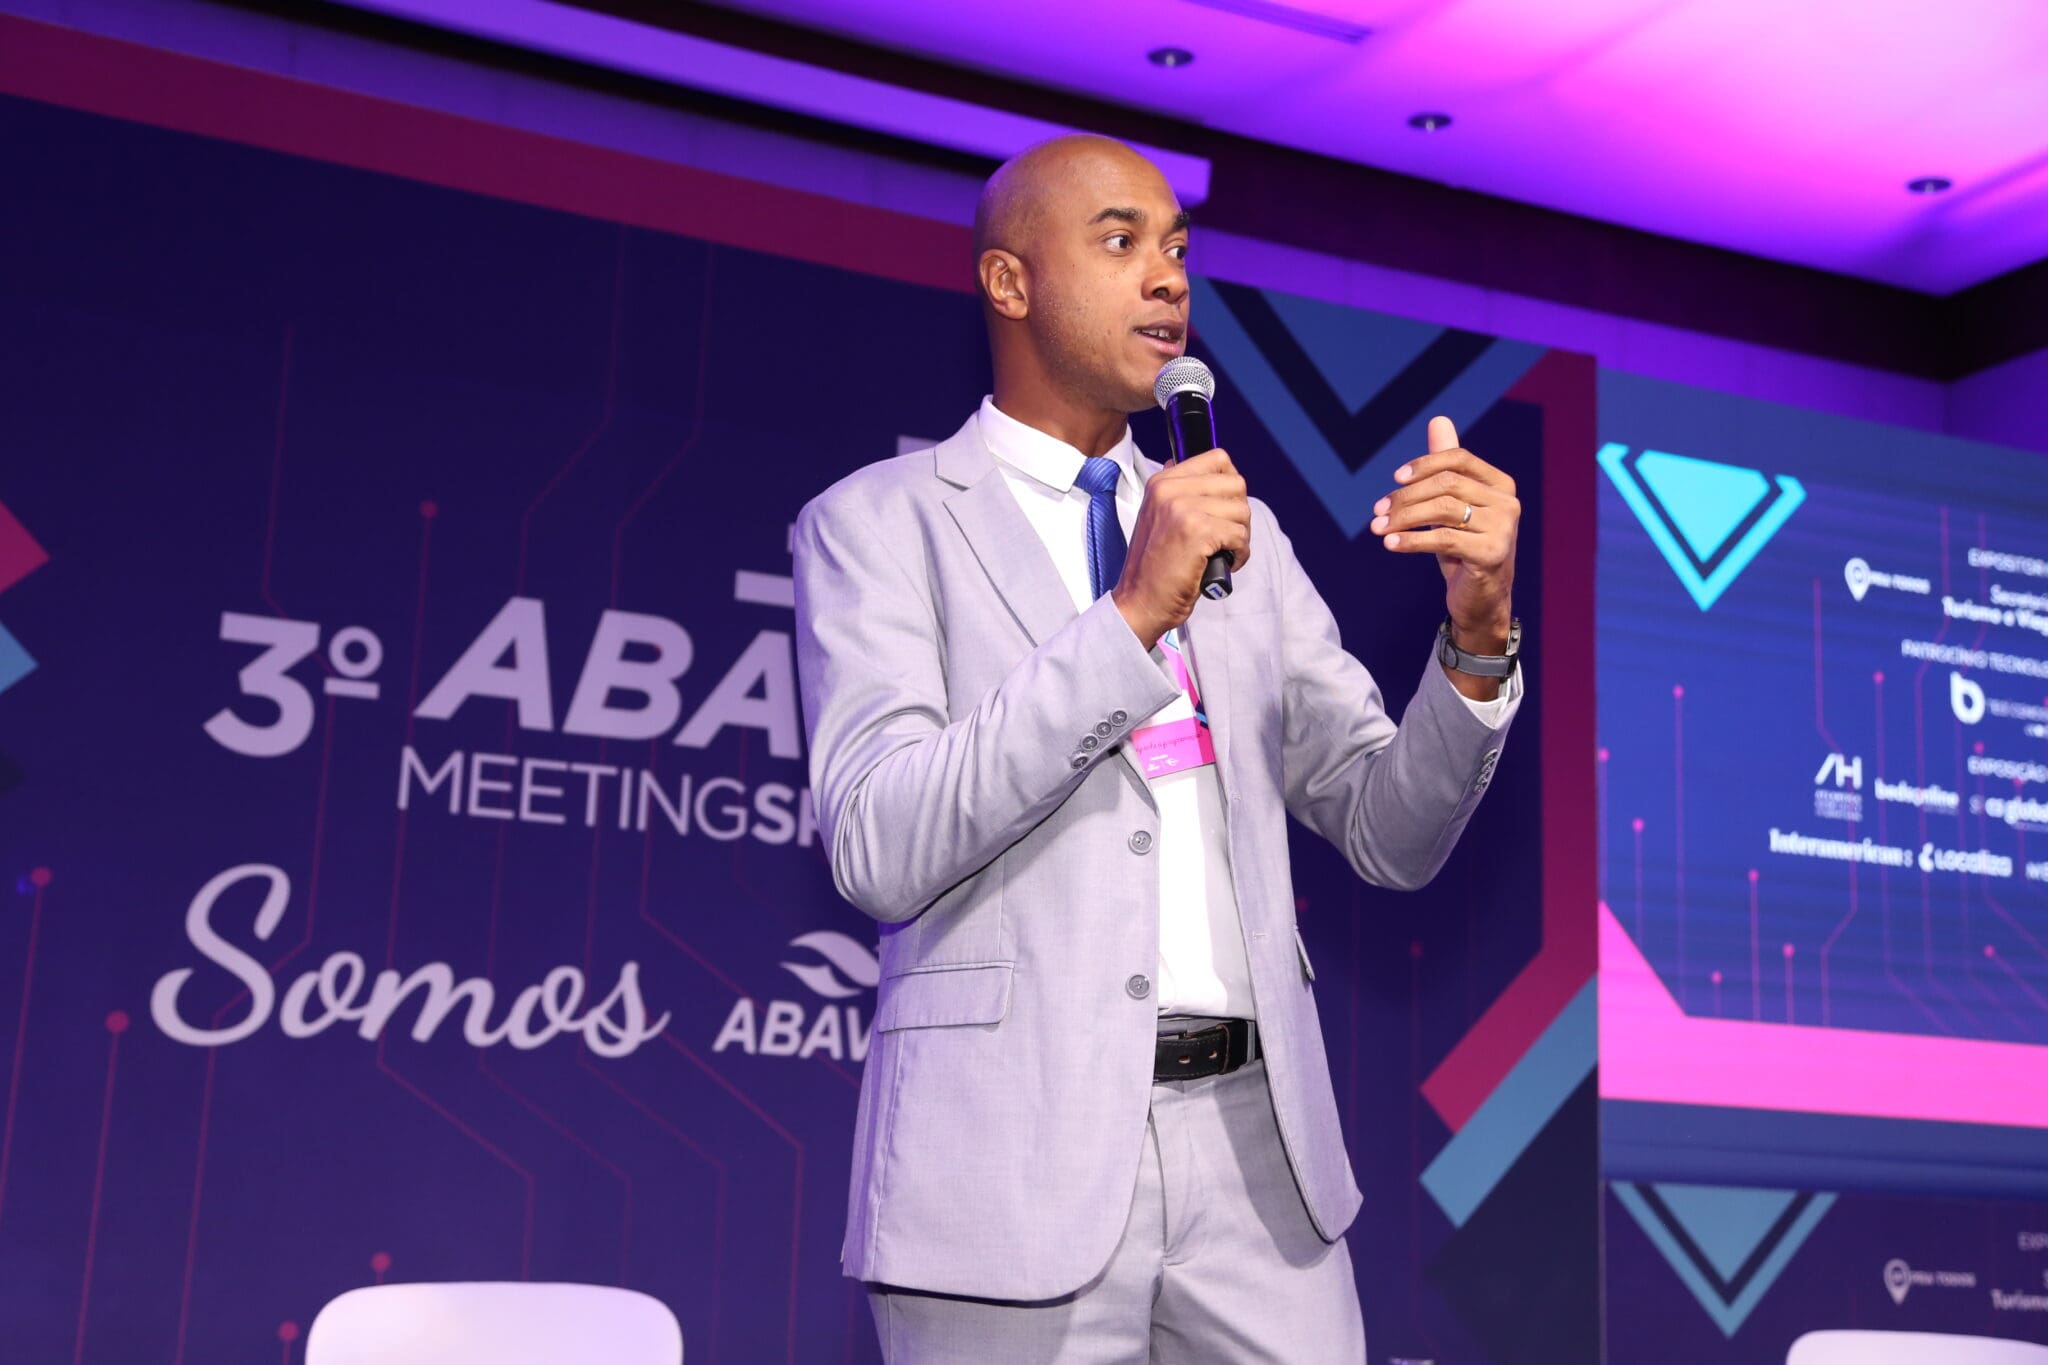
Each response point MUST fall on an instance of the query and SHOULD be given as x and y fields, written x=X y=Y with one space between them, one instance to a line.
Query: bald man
x=1096 y=1122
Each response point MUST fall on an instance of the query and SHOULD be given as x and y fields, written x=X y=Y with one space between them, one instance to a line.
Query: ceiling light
x=1929 y=184
x=1170 y=56
x=1429 y=123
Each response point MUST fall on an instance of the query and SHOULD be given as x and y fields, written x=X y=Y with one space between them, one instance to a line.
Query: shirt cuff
x=1496 y=713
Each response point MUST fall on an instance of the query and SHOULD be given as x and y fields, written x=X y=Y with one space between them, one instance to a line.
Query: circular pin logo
x=1898 y=1278
x=1857 y=571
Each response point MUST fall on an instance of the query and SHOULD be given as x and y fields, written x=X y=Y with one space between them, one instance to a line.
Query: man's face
x=1109 y=292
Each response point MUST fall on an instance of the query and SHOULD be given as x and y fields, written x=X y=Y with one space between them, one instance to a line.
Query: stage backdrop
x=409 y=867
x=1824 y=985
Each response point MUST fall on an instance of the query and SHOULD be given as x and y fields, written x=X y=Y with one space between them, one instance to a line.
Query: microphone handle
x=1191 y=430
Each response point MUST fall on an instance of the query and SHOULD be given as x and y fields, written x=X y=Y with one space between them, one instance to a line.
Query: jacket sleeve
x=1392 y=798
x=911 y=799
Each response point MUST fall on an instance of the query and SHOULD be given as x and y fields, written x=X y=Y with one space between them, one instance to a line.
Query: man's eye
x=1123 y=238
x=1180 y=253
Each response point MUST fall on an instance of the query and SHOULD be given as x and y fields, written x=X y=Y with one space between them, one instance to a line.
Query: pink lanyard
x=1176 y=745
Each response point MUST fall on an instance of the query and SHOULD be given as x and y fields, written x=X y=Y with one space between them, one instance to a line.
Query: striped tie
x=1106 y=545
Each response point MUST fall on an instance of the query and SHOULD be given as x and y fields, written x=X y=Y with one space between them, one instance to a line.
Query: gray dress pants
x=1218 y=1262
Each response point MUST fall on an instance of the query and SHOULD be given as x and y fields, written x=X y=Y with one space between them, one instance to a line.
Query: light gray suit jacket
x=966 y=729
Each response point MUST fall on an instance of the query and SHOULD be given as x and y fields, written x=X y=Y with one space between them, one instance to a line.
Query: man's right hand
x=1191 y=510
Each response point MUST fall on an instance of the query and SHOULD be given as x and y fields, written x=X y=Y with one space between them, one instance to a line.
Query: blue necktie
x=1105 y=533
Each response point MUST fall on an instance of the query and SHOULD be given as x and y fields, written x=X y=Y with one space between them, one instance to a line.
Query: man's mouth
x=1167 y=335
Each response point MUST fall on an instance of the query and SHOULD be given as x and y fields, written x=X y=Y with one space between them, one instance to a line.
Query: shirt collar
x=1046 y=459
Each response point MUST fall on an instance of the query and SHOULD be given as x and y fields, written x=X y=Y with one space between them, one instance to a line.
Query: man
x=1096 y=1122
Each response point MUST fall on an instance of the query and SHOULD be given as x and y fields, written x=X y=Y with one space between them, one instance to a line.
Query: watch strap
x=1480 y=665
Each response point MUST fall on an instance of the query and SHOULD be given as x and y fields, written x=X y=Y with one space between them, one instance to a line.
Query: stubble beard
x=1082 y=366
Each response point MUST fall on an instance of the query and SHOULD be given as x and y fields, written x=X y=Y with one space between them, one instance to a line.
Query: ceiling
x=1781 y=128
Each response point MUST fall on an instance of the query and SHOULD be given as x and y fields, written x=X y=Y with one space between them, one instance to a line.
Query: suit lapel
x=1206 y=635
x=1001 y=536
x=1008 y=548
x=1203 y=634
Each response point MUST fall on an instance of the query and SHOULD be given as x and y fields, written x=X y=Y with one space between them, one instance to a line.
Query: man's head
x=1080 y=251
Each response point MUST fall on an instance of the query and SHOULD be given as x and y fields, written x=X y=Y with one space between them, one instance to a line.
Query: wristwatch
x=1480 y=665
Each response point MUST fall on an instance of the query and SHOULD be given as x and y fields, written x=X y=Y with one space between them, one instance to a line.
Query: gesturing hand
x=1456 y=506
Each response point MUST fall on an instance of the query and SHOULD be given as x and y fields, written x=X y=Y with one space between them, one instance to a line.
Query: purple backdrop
x=396 y=580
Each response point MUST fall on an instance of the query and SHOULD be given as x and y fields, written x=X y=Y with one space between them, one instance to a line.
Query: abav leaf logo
x=837 y=1026
x=1707 y=519
x=848 y=968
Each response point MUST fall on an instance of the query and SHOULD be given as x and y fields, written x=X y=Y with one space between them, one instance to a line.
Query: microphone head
x=1182 y=374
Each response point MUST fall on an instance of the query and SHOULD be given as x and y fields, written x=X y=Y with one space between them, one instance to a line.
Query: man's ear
x=1002 y=283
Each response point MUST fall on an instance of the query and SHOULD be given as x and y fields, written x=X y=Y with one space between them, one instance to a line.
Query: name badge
x=1183 y=742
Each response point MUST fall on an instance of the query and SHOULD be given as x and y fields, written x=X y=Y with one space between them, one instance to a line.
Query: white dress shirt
x=1202 y=965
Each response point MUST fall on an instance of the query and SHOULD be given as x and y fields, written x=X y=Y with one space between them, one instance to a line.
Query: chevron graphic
x=1728 y=1245
x=1481 y=1152
x=1708 y=519
x=1314 y=374
x=19 y=557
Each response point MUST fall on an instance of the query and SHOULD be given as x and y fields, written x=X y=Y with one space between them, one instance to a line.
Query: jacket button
x=1089 y=741
x=1080 y=761
x=1119 y=717
x=1102 y=727
x=1138 y=987
x=1141 y=842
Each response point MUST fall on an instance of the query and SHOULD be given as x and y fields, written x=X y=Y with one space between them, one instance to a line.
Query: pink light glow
x=1650 y=1050
x=1786 y=131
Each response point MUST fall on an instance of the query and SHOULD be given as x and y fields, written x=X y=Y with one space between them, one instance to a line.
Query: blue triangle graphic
x=1726 y=1224
x=1354 y=350
x=1704 y=499
x=1701 y=503
x=1728 y=1313
x=15 y=663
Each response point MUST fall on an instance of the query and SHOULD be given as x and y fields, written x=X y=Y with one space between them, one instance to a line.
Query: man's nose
x=1170 y=285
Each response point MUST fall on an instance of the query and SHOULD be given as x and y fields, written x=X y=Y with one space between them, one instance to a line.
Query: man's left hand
x=1427 y=514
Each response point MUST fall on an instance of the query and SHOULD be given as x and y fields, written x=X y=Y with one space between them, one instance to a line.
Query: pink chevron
x=1559 y=383
x=1652 y=1050
x=19 y=554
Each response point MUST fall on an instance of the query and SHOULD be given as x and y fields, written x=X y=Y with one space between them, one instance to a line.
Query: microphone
x=1184 y=388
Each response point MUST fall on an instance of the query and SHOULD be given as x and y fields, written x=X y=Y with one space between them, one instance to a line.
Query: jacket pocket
x=928 y=997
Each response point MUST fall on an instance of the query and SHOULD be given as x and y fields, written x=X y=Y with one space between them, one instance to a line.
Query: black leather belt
x=1214 y=1051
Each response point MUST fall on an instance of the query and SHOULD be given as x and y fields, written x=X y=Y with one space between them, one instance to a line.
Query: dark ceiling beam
x=2000 y=319
x=1320 y=203
x=1296 y=198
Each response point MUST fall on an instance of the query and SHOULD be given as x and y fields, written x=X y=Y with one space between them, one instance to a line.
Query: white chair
x=494 y=1324
x=1910 y=1348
